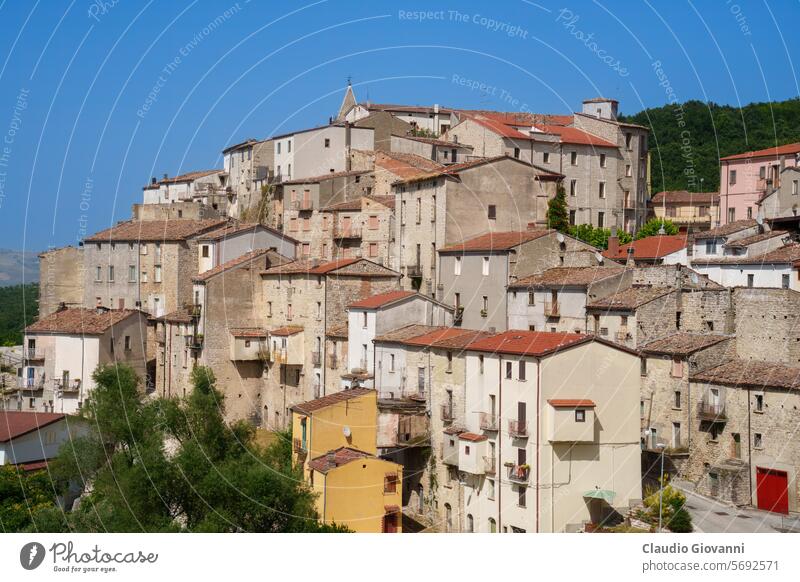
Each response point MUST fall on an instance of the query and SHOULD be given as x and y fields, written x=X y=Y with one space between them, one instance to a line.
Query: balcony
x=489 y=421
x=299 y=448
x=194 y=341
x=31 y=383
x=193 y=309
x=32 y=354
x=316 y=359
x=458 y=315
x=518 y=473
x=346 y=232
x=414 y=270
x=67 y=388
x=302 y=205
x=551 y=309
x=447 y=412
x=712 y=412
x=518 y=429
x=489 y=465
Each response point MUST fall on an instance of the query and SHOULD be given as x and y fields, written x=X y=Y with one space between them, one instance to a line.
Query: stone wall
x=61 y=279
x=768 y=325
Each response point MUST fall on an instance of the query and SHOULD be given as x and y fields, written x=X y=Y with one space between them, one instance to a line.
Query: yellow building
x=698 y=210
x=335 y=439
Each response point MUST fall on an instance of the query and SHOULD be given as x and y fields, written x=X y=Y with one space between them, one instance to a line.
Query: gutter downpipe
x=538 y=415
x=499 y=443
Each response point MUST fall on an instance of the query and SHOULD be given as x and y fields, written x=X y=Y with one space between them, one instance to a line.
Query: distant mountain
x=687 y=139
x=14 y=263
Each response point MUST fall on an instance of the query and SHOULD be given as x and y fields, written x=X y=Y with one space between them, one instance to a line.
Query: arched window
x=448 y=517
x=470 y=523
x=492 y=525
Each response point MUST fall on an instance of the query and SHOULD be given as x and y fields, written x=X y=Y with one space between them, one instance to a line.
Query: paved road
x=709 y=516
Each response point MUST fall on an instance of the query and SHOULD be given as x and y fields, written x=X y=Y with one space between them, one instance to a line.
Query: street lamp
x=661 y=447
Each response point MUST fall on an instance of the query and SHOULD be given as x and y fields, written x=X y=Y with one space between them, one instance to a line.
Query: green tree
x=175 y=465
x=597 y=237
x=21 y=496
x=653 y=226
x=19 y=306
x=557 y=211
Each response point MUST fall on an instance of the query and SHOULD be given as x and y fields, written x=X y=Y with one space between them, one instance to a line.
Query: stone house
x=204 y=187
x=303 y=299
x=445 y=206
x=438 y=150
x=248 y=165
x=384 y=126
x=361 y=227
x=710 y=244
x=233 y=240
x=767 y=323
x=431 y=120
x=148 y=265
x=61 y=279
x=474 y=275
x=634 y=316
x=62 y=350
x=389 y=167
x=336 y=353
x=555 y=300
x=744 y=448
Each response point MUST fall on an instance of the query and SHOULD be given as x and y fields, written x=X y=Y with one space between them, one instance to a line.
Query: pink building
x=746 y=178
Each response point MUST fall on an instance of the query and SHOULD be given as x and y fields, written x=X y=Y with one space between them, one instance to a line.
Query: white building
x=777 y=268
x=190 y=187
x=30 y=439
x=231 y=241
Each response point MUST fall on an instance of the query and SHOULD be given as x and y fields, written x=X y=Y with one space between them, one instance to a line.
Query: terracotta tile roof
x=336 y=458
x=387 y=201
x=404 y=165
x=651 y=247
x=404 y=108
x=726 y=229
x=749 y=240
x=80 y=321
x=683 y=344
x=14 y=424
x=331 y=400
x=528 y=343
x=401 y=334
x=256 y=332
x=323 y=177
x=436 y=142
x=448 y=338
x=345 y=206
x=684 y=197
x=498 y=127
x=472 y=437
x=629 y=299
x=309 y=267
x=784 y=255
x=175 y=229
x=520 y=118
x=573 y=135
x=286 y=330
x=453 y=430
x=567 y=277
x=571 y=403
x=237 y=228
x=750 y=373
x=497 y=241
x=382 y=299
x=187 y=177
x=338 y=331
x=773 y=152
x=247 y=142
x=177 y=316
x=32 y=466
x=258 y=256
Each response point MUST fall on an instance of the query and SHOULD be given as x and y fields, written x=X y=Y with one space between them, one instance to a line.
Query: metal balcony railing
x=414 y=270
x=193 y=309
x=518 y=428
x=518 y=473
x=551 y=309
x=299 y=447
x=34 y=354
x=711 y=411
x=343 y=232
x=489 y=421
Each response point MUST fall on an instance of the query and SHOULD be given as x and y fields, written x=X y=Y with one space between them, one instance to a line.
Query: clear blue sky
x=77 y=145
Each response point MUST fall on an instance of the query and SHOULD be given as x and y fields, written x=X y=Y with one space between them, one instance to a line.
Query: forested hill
x=711 y=131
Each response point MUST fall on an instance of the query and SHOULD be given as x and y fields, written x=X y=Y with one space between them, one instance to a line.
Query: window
x=390 y=483
x=327 y=142
x=641 y=409
x=521 y=490
x=602 y=160
x=278 y=144
x=269 y=308
x=492 y=212
x=485 y=310
x=601 y=189
x=466 y=450
x=573 y=158
x=111 y=273
x=572 y=218
x=546 y=157
x=601 y=219
x=480 y=364
x=628 y=140
x=628 y=170
x=132 y=273
x=749 y=212
x=490 y=493
x=449 y=362
x=785 y=281
x=677 y=367
x=573 y=187
x=750 y=280
x=391 y=362
x=677 y=401
x=470 y=523
x=732 y=177
x=485 y=267
x=711 y=247
x=516 y=153
x=157 y=277
x=372 y=222
x=127 y=343
x=419 y=210
x=795 y=187
x=457 y=266
x=758 y=440
x=676 y=434
x=531 y=298
x=731 y=215
x=98 y=274
x=508 y=370
x=580 y=416
x=759 y=403
x=288 y=146
x=205 y=251
x=522 y=370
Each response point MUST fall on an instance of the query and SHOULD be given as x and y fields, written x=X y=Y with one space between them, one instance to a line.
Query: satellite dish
x=346 y=431
x=560 y=237
x=599 y=257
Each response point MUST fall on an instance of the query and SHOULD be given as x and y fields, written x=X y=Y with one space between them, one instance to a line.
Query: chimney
x=61 y=306
x=153 y=180
x=630 y=262
x=613 y=243
x=331 y=458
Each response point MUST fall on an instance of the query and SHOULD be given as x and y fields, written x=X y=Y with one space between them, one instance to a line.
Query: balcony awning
x=604 y=494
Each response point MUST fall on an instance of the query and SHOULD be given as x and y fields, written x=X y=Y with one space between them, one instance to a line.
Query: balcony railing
x=316 y=358
x=34 y=354
x=343 y=232
x=714 y=412
x=59 y=385
x=414 y=270
x=302 y=205
x=518 y=429
x=490 y=465
x=490 y=421
x=194 y=341
x=551 y=309
x=518 y=473
x=299 y=447
x=31 y=383
x=447 y=412
x=193 y=309
x=458 y=315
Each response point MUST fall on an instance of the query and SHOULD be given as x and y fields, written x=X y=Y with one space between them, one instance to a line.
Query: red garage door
x=772 y=490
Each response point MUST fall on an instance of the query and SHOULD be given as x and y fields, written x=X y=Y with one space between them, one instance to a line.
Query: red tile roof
x=726 y=229
x=684 y=197
x=382 y=299
x=323 y=177
x=573 y=135
x=683 y=343
x=568 y=276
x=787 y=254
x=236 y=228
x=187 y=177
x=331 y=400
x=651 y=247
x=286 y=330
x=436 y=142
x=14 y=424
x=248 y=332
x=80 y=321
x=448 y=338
x=308 y=267
x=257 y=256
x=404 y=165
x=629 y=299
x=402 y=334
x=751 y=373
x=498 y=127
x=528 y=343
x=497 y=241
x=175 y=229
x=571 y=403
x=338 y=331
x=749 y=240
x=773 y=152
x=336 y=458
x=472 y=437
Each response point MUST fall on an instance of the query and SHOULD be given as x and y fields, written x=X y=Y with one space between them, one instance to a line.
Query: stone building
x=767 y=323
x=249 y=165
x=61 y=279
x=634 y=316
x=743 y=447
x=780 y=205
x=204 y=187
x=473 y=275
x=443 y=207
x=777 y=268
x=148 y=265
x=438 y=150
x=363 y=227
x=236 y=239
x=389 y=167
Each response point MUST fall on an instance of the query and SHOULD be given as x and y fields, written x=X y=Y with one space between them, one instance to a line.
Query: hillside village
x=389 y=288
